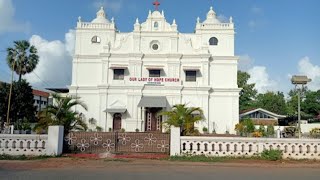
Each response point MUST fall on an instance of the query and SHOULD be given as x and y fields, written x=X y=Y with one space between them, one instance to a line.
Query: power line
x=43 y=82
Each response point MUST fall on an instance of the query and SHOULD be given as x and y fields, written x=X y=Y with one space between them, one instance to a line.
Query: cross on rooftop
x=156 y=4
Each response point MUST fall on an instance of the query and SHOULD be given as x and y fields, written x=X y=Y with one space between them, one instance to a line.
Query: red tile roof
x=40 y=93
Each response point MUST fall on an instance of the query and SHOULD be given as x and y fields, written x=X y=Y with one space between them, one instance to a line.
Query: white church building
x=126 y=78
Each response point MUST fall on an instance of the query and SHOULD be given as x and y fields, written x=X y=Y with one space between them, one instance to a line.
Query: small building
x=261 y=116
x=41 y=99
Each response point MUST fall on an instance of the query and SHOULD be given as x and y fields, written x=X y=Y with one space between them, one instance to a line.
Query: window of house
x=191 y=76
x=154 y=73
x=95 y=39
x=213 y=41
x=118 y=74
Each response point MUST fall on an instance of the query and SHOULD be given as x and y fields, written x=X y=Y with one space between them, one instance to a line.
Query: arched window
x=213 y=41
x=156 y=25
x=95 y=39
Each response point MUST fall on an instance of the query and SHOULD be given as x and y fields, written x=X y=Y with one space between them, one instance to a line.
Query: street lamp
x=299 y=80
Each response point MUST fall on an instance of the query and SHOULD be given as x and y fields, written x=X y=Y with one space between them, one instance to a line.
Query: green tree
x=272 y=101
x=62 y=113
x=183 y=117
x=22 y=58
x=22 y=103
x=311 y=104
x=292 y=103
x=248 y=92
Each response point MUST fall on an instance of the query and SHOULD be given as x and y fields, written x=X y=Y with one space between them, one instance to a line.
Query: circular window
x=155 y=47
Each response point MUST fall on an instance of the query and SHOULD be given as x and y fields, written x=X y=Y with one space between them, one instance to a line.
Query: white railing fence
x=19 y=144
x=237 y=146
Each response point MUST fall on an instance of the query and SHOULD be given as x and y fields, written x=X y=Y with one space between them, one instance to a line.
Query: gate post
x=175 y=141
x=55 y=140
x=116 y=141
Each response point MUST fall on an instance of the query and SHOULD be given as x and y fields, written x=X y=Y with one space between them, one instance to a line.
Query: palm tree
x=22 y=58
x=62 y=113
x=183 y=117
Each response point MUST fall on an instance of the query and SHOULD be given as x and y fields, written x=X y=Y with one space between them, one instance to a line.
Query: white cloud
x=55 y=64
x=252 y=24
x=245 y=62
x=7 y=21
x=305 y=67
x=113 y=5
x=256 y=21
x=257 y=10
x=222 y=18
x=260 y=77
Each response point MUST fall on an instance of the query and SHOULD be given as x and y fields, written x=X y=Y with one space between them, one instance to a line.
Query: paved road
x=160 y=171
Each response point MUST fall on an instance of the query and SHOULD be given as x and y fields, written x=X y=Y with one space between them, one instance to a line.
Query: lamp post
x=299 y=80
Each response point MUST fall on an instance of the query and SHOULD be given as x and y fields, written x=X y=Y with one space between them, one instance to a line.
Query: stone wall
x=236 y=146
x=35 y=145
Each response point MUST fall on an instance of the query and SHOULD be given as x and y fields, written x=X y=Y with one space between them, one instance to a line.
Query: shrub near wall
x=315 y=133
x=272 y=155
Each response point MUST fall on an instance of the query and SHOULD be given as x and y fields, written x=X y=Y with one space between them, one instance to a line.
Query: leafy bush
x=270 y=130
x=249 y=126
x=99 y=129
x=262 y=130
x=205 y=129
x=315 y=132
x=245 y=127
x=271 y=155
x=239 y=128
x=257 y=134
x=192 y=132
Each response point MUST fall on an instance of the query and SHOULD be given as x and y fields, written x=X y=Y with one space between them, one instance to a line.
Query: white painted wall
x=229 y=146
x=33 y=145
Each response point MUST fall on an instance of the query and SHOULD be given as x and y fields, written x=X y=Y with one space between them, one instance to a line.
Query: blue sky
x=275 y=38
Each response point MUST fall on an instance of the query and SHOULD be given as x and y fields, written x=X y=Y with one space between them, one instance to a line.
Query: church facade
x=127 y=78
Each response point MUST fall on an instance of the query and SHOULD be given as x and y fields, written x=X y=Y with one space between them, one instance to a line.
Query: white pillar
x=278 y=133
x=55 y=140
x=11 y=129
x=175 y=141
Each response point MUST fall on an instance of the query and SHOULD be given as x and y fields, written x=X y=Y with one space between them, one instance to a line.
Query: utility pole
x=299 y=112
x=299 y=80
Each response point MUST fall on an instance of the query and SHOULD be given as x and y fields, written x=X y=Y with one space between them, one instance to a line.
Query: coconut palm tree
x=22 y=58
x=62 y=112
x=183 y=117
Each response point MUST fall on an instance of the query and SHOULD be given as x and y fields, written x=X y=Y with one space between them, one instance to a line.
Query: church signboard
x=154 y=80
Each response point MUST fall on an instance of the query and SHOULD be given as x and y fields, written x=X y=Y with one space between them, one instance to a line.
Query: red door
x=153 y=121
x=117 y=122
